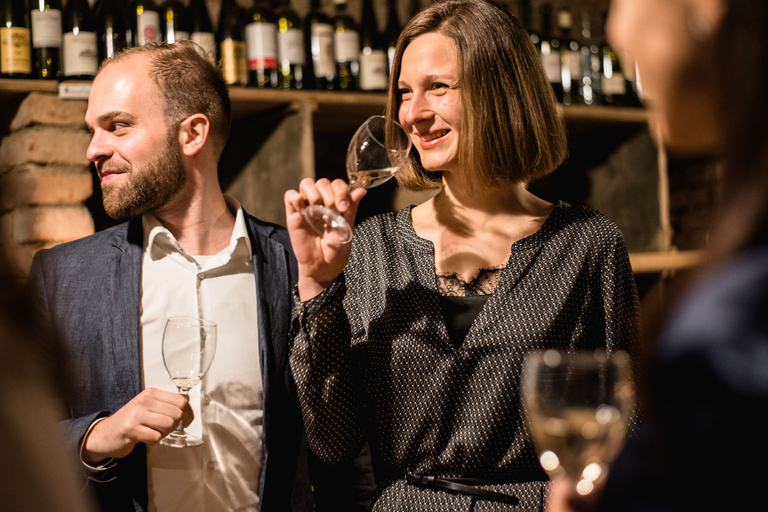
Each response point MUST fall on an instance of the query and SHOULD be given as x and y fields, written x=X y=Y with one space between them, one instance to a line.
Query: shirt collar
x=158 y=240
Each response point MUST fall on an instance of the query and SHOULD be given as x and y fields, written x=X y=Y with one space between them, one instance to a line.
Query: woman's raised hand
x=320 y=261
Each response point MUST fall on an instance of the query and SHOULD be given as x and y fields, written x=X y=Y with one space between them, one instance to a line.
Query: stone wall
x=44 y=179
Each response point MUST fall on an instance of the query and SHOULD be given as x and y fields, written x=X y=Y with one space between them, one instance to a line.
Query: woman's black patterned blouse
x=373 y=361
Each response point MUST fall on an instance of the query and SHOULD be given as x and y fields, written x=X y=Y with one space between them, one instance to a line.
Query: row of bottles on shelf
x=271 y=46
x=268 y=46
x=579 y=63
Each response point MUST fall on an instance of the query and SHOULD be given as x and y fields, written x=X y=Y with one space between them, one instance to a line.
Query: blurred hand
x=320 y=261
x=564 y=498
x=149 y=417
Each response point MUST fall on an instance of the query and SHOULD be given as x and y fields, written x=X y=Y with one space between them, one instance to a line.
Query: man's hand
x=149 y=417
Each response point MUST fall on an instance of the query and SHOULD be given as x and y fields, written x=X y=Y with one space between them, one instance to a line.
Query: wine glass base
x=180 y=441
x=328 y=223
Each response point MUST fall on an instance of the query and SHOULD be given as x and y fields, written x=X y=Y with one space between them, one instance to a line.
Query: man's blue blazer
x=86 y=295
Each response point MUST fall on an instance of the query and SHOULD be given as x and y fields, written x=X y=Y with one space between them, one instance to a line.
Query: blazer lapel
x=125 y=295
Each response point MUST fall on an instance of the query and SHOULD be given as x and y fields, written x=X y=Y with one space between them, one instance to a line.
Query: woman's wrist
x=309 y=288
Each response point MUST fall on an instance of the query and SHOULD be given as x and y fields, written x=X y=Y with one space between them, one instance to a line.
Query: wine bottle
x=201 y=30
x=45 y=17
x=261 y=46
x=81 y=52
x=613 y=80
x=320 y=70
x=550 y=52
x=570 y=55
x=144 y=20
x=392 y=33
x=232 y=45
x=15 y=48
x=414 y=7
x=172 y=14
x=346 y=47
x=111 y=28
x=373 y=52
x=526 y=19
x=290 y=47
x=591 y=65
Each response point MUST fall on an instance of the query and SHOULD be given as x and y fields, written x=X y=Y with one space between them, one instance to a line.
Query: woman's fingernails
x=343 y=205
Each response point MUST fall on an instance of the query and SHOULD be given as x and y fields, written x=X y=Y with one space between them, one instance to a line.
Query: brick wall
x=44 y=179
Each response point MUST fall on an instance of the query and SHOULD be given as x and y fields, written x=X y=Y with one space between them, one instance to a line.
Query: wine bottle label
x=346 y=46
x=81 y=55
x=373 y=70
x=46 y=28
x=574 y=64
x=148 y=27
x=112 y=43
x=322 y=49
x=552 y=67
x=290 y=47
x=233 y=61
x=16 y=56
x=261 y=45
x=614 y=85
x=206 y=43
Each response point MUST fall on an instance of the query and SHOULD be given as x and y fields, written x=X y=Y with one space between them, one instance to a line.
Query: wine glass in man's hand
x=189 y=345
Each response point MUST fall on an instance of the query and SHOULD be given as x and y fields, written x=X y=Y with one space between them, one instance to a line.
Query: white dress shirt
x=223 y=473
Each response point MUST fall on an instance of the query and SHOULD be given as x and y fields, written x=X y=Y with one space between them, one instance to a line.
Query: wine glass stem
x=179 y=430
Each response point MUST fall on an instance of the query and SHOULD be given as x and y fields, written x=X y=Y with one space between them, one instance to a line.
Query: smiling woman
x=413 y=338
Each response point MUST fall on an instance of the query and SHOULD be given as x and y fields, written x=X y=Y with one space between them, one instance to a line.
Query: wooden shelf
x=337 y=105
x=648 y=262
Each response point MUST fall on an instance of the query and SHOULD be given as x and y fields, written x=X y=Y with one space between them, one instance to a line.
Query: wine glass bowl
x=377 y=150
x=189 y=345
x=578 y=406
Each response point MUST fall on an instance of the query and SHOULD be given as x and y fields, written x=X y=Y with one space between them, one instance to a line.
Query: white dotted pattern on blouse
x=373 y=361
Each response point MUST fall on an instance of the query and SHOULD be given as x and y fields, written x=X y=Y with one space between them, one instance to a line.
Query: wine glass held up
x=378 y=149
x=189 y=345
x=578 y=406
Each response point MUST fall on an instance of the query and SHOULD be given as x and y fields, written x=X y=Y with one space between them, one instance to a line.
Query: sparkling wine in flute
x=578 y=407
x=378 y=149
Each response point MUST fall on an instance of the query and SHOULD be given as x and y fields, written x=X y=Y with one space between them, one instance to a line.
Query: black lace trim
x=484 y=283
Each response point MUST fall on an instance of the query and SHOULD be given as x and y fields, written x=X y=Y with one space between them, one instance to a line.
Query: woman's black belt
x=462 y=486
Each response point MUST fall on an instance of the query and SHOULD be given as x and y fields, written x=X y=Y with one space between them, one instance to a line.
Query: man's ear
x=193 y=134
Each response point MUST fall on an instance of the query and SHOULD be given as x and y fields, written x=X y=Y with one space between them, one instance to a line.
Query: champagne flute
x=378 y=149
x=578 y=405
x=189 y=345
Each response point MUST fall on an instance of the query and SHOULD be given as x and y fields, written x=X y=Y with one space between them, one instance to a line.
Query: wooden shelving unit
x=315 y=112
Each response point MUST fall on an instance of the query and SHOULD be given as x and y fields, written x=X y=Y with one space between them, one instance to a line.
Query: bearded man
x=160 y=117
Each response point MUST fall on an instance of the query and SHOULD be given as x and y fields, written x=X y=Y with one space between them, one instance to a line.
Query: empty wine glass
x=578 y=407
x=189 y=345
x=378 y=149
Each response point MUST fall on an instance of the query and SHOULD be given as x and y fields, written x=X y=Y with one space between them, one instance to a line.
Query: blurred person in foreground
x=36 y=471
x=413 y=337
x=702 y=446
x=160 y=117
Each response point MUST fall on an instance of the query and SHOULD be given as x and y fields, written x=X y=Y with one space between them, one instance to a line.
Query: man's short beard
x=149 y=187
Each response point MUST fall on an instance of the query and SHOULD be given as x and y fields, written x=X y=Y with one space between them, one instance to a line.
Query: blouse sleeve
x=620 y=300
x=326 y=371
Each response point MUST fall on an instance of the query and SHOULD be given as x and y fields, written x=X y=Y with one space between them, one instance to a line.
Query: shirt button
x=206 y=399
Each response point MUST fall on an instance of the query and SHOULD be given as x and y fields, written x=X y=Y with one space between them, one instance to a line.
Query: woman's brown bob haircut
x=512 y=130
x=189 y=84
